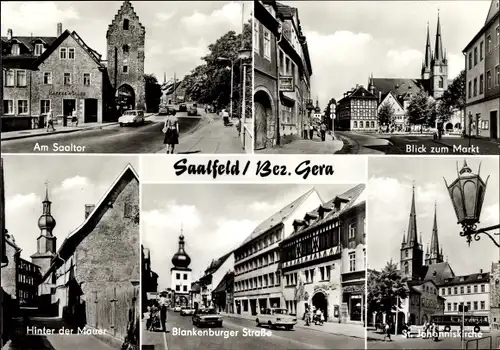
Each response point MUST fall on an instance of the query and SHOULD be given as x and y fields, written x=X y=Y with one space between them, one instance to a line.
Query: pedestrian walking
x=387 y=330
x=50 y=121
x=163 y=311
x=323 y=131
x=238 y=126
x=435 y=331
x=307 y=316
x=225 y=117
x=171 y=131
x=311 y=131
x=306 y=131
x=74 y=118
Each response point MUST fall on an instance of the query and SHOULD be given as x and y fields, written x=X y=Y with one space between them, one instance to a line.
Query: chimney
x=9 y=34
x=59 y=29
x=89 y=208
x=481 y=271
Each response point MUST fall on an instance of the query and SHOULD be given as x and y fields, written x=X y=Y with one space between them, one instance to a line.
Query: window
x=468 y=289
x=38 y=49
x=86 y=78
x=286 y=114
x=455 y=306
x=488 y=79
x=475 y=289
x=125 y=24
x=352 y=230
x=267 y=44
x=461 y=290
x=185 y=277
x=44 y=106
x=62 y=53
x=178 y=276
x=47 y=78
x=481 y=84
x=448 y=307
x=21 y=78
x=468 y=305
x=16 y=50
x=184 y=288
x=406 y=253
x=8 y=106
x=355 y=124
x=475 y=55
x=475 y=305
x=67 y=78
x=256 y=35
x=352 y=262
x=497 y=30
x=475 y=87
x=449 y=290
x=483 y=305
x=481 y=50
x=497 y=75
x=361 y=124
x=127 y=210
x=9 y=78
x=125 y=69
x=470 y=89
x=488 y=43
x=482 y=288
x=441 y=82
x=470 y=60
x=22 y=106
x=177 y=288
x=71 y=53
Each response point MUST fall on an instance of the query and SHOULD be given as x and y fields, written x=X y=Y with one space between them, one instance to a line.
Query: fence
x=479 y=343
x=115 y=309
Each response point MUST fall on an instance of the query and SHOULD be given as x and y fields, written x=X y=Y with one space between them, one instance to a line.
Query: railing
x=476 y=342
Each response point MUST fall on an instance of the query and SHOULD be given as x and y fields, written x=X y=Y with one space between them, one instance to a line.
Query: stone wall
x=9 y=272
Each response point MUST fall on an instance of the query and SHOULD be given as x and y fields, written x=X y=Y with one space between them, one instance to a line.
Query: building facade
x=28 y=278
x=399 y=111
x=257 y=281
x=357 y=110
x=495 y=295
x=181 y=275
x=311 y=260
x=149 y=278
x=213 y=277
x=483 y=78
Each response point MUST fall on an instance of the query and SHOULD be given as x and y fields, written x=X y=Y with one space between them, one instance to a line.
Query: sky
x=215 y=218
x=177 y=32
x=349 y=40
x=389 y=200
x=73 y=181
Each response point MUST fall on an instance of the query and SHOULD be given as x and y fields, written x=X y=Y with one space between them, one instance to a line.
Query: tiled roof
x=437 y=273
x=472 y=278
x=399 y=86
x=278 y=217
x=29 y=41
x=216 y=264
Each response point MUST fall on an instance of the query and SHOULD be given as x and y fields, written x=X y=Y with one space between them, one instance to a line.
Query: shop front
x=353 y=300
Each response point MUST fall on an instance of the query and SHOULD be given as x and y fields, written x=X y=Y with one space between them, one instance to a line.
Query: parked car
x=187 y=311
x=166 y=110
x=276 y=317
x=192 y=111
x=133 y=117
x=182 y=107
x=177 y=309
x=207 y=317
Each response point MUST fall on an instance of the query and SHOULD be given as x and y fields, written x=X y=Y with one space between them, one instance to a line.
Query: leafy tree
x=384 y=288
x=422 y=110
x=386 y=114
x=453 y=98
x=153 y=93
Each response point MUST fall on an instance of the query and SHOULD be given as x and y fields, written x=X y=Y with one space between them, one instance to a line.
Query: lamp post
x=467 y=196
x=232 y=73
x=244 y=55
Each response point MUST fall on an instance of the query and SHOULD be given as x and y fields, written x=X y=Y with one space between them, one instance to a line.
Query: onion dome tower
x=46 y=242
x=181 y=259
x=181 y=275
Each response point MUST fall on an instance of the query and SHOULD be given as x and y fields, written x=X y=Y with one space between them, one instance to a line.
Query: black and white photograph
x=127 y=77
x=433 y=253
x=70 y=252
x=268 y=266
x=359 y=77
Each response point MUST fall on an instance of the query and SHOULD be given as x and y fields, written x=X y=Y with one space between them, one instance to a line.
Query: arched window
x=125 y=24
x=360 y=124
x=441 y=82
x=373 y=125
x=125 y=49
x=355 y=124
x=406 y=268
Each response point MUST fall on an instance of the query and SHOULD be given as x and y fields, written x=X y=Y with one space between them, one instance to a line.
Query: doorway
x=494 y=124
x=253 y=306
x=68 y=106
x=262 y=113
x=319 y=302
x=90 y=110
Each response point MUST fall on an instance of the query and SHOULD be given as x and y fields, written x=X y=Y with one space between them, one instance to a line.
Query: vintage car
x=182 y=107
x=132 y=117
x=276 y=317
x=177 y=308
x=166 y=110
x=207 y=317
x=187 y=311
x=192 y=111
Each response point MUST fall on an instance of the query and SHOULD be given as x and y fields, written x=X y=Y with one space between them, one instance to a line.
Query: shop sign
x=67 y=93
x=286 y=83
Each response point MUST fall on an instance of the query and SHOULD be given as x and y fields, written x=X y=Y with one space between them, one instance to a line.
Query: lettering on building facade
x=286 y=83
x=67 y=93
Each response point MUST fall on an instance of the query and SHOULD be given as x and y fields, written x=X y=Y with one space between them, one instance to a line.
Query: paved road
x=147 y=138
x=355 y=143
x=299 y=338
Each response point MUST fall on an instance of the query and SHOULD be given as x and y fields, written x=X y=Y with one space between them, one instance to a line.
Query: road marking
x=165 y=340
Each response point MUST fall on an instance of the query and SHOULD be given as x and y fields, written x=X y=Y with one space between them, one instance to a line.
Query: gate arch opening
x=319 y=301
x=262 y=112
x=125 y=98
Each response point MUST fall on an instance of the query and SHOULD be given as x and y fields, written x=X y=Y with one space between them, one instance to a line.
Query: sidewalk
x=301 y=146
x=345 y=329
x=209 y=137
x=22 y=134
x=479 y=146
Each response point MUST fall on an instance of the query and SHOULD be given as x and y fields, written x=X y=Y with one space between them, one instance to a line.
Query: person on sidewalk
x=307 y=316
x=323 y=131
x=311 y=131
x=238 y=126
x=225 y=117
x=306 y=131
x=50 y=121
x=74 y=118
x=171 y=131
x=163 y=311
x=387 y=330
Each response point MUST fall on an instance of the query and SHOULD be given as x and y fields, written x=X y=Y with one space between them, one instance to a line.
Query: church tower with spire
x=411 y=249
x=439 y=66
x=46 y=242
x=434 y=255
x=426 y=63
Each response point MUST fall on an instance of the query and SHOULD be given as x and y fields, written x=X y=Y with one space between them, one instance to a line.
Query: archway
x=262 y=112
x=319 y=301
x=449 y=127
x=125 y=98
x=458 y=126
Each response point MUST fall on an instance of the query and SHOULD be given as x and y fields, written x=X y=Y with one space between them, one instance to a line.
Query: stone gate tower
x=125 y=53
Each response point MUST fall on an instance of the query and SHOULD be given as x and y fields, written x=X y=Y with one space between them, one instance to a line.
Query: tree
x=421 y=110
x=386 y=114
x=453 y=98
x=385 y=288
x=153 y=93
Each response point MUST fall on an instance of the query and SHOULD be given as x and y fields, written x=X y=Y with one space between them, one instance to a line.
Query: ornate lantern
x=467 y=196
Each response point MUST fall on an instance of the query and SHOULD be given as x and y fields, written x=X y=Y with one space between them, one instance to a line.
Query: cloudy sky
x=177 y=32
x=73 y=182
x=215 y=218
x=390 y=188
x=349 y=40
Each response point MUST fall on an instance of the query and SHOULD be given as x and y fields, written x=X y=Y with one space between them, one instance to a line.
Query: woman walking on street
x=163 y=311
x=50 y=121
x=171 y=131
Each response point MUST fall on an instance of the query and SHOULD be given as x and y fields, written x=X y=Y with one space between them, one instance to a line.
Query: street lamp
x=244 y=55
x=467 y=195
x=225 y=59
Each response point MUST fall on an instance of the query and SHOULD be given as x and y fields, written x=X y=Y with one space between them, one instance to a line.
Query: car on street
x=182 y=107
x=132 y=117
x=166 y=110
x=187 y=311
x=192 y=111
x=177 y=308
x=207 y=317
x=276 y=317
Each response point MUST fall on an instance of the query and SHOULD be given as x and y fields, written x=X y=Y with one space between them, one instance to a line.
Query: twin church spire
x=436 y=58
